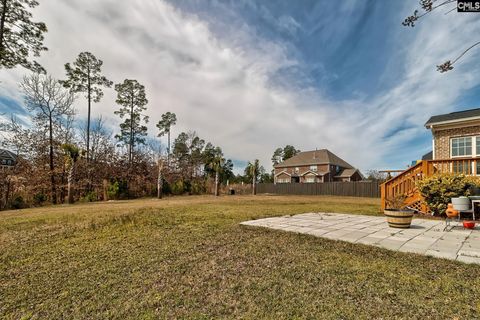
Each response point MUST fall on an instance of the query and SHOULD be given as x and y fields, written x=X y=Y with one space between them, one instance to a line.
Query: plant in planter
x=438 y=190
x=398 y=216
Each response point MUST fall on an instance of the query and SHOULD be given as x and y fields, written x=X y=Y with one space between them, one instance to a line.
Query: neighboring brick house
x=315 y=166
x=7 y=159
x=455 y=135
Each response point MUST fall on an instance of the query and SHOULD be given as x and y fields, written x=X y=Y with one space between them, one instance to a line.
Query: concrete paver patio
x=424 y=237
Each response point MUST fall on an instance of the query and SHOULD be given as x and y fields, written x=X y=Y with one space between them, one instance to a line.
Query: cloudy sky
x=251 y=76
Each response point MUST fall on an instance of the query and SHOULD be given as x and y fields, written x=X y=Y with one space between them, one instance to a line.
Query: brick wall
x=442 y=139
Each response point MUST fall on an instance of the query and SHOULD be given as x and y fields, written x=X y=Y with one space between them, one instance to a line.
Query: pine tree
x=169 y=119
x=20 y=37
x=131 y=96
x=86 y=76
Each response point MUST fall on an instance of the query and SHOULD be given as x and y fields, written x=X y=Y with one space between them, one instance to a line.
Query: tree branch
x=448 y=65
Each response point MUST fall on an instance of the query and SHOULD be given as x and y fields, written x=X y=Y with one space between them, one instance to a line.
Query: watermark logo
x=468 y=6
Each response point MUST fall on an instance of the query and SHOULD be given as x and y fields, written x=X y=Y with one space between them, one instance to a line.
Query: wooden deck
x=405 y=182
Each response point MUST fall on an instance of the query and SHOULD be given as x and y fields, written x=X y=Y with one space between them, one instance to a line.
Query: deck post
x=425 y=169
x=382 y=196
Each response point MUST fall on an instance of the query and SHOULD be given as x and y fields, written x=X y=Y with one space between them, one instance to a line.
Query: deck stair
x=405 y=182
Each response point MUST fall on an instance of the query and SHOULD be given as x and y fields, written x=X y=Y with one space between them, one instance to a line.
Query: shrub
x=18 y=203
x=178 y=187
x=113 y=190
x=117 y=190
x=39 y=199
x=438 y=190
x=396 y=202
x=198 y=187
x=91 y=196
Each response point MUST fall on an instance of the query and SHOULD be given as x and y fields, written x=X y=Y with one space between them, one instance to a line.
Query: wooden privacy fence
x=369 y=189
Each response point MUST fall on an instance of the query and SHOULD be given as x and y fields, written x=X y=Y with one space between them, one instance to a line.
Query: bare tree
x=428 y=6
x=50 y=104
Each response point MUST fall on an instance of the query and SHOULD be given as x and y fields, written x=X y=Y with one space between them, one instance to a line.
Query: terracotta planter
x=399 y=218
x=469 y=224
x=451 y=213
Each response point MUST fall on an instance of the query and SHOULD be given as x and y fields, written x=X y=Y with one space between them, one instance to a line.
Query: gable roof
x=347 y=173
x=318 y=173
x=470 y=114
x=428 y=156
x=6 y=155
x=322 y=156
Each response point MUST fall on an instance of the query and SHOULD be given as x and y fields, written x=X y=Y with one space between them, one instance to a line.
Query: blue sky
x=251 y=76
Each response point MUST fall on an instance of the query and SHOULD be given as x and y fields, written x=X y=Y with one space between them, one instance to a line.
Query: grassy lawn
x=188 y=257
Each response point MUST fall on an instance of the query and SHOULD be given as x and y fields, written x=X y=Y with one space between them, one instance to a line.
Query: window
x=313 y=168
x=461 y=147
x=297 y=169
x=310 y=179
x=337 y=169
x=477 y=139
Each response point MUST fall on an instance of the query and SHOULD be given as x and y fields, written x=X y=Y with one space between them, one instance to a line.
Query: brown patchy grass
x=188 y=257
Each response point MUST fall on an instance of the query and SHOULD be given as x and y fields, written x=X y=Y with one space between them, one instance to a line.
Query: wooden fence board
x=370 y=189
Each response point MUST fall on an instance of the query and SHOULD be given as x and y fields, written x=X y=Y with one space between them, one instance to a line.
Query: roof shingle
x=322 y=156
x=459 y=115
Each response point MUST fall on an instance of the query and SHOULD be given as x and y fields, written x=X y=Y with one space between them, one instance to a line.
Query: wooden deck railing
x=405 y=182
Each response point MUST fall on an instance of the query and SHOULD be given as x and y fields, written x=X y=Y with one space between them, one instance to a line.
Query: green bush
x=438 y=190
x=91 y=196
x=198 y=187
x=113 y=190
x=178 y=187
x=39 y=199
x=117 y=190
x=18 y=203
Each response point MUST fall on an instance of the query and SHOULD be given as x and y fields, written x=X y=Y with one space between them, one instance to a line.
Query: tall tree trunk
x=168 y=148
x=130 y=151
x=254 y=185
x=216 y=184
x=70 y=183
x=89 y=98
x=52 y=172
x=159 y=179
x=2 y=26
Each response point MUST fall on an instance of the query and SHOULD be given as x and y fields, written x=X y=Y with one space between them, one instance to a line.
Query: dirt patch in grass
x=188 y=257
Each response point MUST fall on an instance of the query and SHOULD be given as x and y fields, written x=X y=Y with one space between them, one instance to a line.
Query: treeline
x=60 y=161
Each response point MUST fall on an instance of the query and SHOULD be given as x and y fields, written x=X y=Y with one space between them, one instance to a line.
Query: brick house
x=7 y=159
x=313 y=167
x=455 y=149
x=455 y=135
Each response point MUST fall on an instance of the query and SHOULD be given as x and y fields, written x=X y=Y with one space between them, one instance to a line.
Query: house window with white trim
x=297 y=170
x=461 y=147
x=477 y=145
x=309 y=179
x=314 y=168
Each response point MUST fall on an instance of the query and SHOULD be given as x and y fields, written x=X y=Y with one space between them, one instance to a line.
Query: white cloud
x=220 y=86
